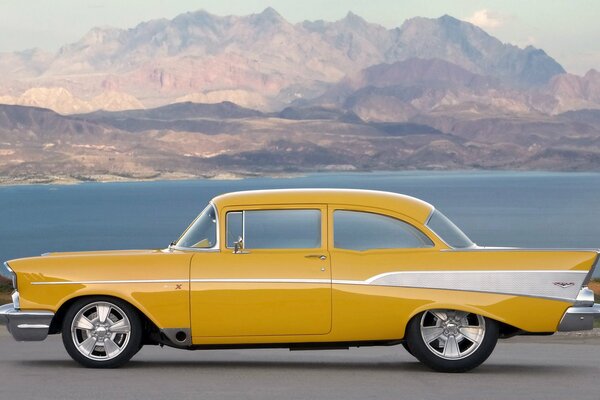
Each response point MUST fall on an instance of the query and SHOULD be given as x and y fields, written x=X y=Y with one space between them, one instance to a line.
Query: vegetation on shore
x=5 y=290
x=5 y=284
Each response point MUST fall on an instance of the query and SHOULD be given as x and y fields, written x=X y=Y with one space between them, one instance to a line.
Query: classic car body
x=311 y=268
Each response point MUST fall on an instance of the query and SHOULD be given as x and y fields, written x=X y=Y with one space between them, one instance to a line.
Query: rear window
x=447 y=231
x=355 y=230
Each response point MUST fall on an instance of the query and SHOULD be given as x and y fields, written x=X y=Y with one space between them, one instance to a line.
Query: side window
x=275 y=229
x=355 y=230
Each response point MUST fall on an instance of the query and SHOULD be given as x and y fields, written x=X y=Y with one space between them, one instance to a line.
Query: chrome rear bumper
x=26 y=326
x=581 y=316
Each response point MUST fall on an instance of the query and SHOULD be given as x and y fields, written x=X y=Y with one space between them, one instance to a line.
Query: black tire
x=405 y=345
x=431 y=357
x=95 y=333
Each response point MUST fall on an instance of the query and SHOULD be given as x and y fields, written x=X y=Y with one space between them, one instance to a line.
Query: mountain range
x=261 y=61
x=206 y=95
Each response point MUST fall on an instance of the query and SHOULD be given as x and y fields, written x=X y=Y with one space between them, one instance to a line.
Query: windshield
x=447 y=231
x=202 y=233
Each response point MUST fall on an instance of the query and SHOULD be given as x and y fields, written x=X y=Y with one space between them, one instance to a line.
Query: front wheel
x=451 y=341
x=102 y=332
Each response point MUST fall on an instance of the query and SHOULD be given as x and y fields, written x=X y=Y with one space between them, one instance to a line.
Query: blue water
x=494 y=208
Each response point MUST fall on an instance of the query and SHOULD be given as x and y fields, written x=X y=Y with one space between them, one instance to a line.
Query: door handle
x=319 y=256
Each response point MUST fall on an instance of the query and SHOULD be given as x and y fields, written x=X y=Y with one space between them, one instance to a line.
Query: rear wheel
x=451 y=341
x=102 y=332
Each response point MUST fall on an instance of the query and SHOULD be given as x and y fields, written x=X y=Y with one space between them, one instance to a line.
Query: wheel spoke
x=121 y=326
x=430 y=333
x=88 y=345
x=451 y=348
x=111 y=348
x=460 y=315
x=440 y=315
x=473 y=333
x=103 y=311
x=84 y=323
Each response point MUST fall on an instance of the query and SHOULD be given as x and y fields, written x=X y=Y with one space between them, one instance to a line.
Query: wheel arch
x=506 y=329
x=56 y=324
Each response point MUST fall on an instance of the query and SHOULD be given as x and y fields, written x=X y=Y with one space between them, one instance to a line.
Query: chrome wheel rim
x=452 y=335
x=101 y=331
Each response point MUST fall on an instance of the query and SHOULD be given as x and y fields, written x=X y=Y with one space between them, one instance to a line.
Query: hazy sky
x=567 y=30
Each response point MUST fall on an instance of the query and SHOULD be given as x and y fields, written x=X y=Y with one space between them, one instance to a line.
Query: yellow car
x=304 y=269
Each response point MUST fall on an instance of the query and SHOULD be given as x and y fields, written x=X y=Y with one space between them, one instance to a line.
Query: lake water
x=523 y=209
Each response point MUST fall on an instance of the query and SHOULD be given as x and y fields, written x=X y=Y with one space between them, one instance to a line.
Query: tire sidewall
x=132 y=347
x=419 y=349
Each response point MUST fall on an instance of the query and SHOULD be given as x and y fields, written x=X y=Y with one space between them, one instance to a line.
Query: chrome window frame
x=243 y=214
x=214 y=248
x=13 y=275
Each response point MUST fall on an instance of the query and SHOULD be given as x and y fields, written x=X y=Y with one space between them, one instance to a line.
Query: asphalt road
x=522 y=368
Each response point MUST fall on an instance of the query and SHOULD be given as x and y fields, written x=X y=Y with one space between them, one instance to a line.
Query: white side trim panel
x=543 y=284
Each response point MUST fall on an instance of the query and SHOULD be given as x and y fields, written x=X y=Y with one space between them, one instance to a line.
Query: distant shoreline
x=68 y=181
x=226 y=176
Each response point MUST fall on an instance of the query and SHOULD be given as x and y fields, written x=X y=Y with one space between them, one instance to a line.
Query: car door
x=368 y=247
x=278 y=283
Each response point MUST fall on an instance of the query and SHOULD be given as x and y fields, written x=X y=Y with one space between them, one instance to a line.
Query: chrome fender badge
x=563 y=285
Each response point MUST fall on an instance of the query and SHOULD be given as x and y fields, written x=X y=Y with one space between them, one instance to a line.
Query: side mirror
x=238 y=246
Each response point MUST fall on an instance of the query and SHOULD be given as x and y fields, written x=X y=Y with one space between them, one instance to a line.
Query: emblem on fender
x=563 y=284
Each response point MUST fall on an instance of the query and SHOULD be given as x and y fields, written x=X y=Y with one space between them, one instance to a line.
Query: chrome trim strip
x=502 y=249
x=243 y=228
x=589 y=276
x=33 y=326
x=117 y=281
x=16 y=298
x=13 y=275
x=261 y=280
x=429 y=216
x=199 y=250
x=585 y=297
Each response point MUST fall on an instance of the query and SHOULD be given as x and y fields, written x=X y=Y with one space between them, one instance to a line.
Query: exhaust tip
x=181 y=336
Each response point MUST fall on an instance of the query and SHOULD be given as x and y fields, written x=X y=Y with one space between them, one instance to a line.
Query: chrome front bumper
x=581 y=316
x=26 y=326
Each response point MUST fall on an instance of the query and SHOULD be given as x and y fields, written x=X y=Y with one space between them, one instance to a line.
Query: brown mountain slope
x=38 y=145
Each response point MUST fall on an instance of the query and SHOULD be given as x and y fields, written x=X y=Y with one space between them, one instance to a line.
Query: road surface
x=519 y=368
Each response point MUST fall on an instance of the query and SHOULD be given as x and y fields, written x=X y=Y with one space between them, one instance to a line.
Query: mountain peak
x=592 y=73
x=270 y=13
x=354 y=19
x=99 y=35
x=450 y=19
